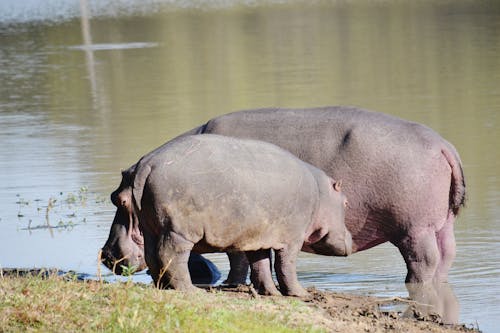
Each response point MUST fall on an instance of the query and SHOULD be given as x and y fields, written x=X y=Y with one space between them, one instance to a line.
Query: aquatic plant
x=21 y=203
x=65 y=208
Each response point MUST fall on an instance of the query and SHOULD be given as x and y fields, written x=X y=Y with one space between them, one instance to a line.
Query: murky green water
x=80 y=100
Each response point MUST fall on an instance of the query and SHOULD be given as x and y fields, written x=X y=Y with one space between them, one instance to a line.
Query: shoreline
x=321 y=311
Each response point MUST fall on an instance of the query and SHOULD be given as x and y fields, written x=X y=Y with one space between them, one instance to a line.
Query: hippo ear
x=337 y=185
x=141 y=174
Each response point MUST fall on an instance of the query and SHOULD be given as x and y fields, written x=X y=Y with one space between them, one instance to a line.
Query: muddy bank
x=339 y=312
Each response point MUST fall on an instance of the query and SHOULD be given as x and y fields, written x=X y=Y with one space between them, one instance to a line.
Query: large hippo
x=210 y=193
x=404 y=181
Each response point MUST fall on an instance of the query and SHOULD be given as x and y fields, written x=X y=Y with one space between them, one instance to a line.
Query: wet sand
x=348 y=313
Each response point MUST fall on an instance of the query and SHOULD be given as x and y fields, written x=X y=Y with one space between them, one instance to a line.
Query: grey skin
x=125 y=244
x=210 y=193
x=404 y=181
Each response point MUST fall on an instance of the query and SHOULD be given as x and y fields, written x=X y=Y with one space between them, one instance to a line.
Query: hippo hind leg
x=429 y=254
x=421 y=254
x=260 y=272
x=447 y=249
x=286 y=270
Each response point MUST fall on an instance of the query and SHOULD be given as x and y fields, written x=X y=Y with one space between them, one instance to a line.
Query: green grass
x=56 y=305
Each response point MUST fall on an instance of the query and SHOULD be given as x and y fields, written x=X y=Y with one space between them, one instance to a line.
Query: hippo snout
x=117 y=257
x=333 y=244
x=109 y=260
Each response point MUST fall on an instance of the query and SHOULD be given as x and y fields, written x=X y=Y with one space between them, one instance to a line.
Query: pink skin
x=404 y=182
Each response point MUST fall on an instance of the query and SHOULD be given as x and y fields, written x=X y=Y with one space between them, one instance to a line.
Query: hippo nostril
x=108 y=263
x=106 y=255
x=108 y=259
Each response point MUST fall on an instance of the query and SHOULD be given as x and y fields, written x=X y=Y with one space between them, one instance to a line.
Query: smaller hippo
x=209 y=193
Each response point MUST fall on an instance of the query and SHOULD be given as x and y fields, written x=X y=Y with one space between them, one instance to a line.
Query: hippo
x=404 y=182
x=210 y=193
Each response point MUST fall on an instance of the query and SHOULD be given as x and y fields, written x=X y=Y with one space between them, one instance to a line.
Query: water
x=81 y=99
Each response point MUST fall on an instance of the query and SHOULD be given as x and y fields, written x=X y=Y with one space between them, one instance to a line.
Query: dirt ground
x=350 y=313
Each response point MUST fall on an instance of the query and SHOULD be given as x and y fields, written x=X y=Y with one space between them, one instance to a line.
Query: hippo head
x=332 y=238
x=125 y=244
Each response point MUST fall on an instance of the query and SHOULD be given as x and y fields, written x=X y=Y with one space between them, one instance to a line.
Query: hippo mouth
x=118 y=266
x=112 y=265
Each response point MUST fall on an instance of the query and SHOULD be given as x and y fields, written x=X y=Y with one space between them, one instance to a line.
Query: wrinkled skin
x=125 y=244
x=404 y=182
x=217 y=194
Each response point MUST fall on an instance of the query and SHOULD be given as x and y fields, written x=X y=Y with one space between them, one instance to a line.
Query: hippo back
x=383 y=161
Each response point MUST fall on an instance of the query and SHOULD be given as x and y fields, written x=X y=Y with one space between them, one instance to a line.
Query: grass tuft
x=40 y=303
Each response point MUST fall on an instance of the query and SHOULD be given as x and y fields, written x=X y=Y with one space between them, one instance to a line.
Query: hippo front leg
x=151 y=256
x=286 y=270
x=173 y=257
x=260 y=272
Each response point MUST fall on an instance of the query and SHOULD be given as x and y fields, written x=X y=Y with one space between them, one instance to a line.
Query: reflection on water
x=82 y=98
x=433 y=299
x=112 y=46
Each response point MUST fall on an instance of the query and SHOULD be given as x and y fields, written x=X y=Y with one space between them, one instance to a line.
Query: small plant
x=65 y=225
x=71 y=199
x=128 y=270
x=82 y=195
x=50 y=205
x=22 y=203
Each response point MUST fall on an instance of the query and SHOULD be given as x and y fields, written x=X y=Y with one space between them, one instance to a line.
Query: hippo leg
x=286 y=271
x=447 y=249
x=260 y=274
x=151 y=256
x=173 y=256
x=421 y=254
x=238 y=271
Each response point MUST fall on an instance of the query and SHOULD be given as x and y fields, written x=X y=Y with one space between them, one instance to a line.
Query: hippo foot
x=268 y=290
x=234 y=282
x=296 y=292
x=238 y=272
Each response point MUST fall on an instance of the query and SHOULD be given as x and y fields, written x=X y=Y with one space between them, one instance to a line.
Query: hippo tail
x=457 y=186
